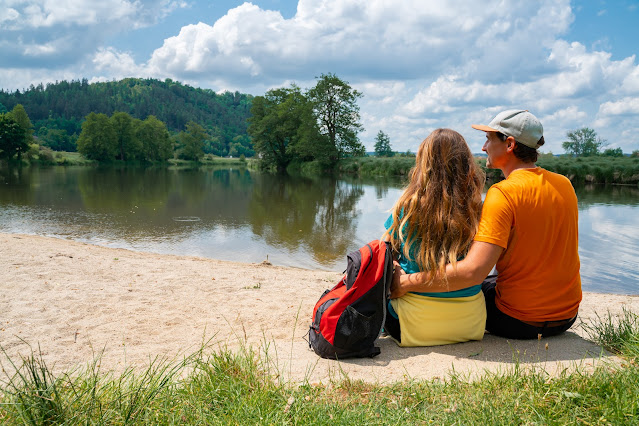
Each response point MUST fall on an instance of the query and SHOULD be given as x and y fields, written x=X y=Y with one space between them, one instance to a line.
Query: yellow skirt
x=431 y=321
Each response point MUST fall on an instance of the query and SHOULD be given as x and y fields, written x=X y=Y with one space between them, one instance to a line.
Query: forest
x=57 y=110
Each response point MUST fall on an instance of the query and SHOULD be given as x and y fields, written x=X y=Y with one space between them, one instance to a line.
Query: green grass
x=604 y=170
x=211 y=161
x=618 y=334
x=242 y=387
x=376 y=166
x=60 y=158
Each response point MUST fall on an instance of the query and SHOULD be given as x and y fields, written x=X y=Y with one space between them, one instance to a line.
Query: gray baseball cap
x=518 y=123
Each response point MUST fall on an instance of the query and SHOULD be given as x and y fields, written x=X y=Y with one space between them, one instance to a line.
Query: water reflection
x=609 y=237
x=236 y=214
x=316 y=214
x=15 y=186
x=589 y=195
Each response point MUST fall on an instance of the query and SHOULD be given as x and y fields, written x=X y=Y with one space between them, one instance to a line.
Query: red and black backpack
x=349 y=318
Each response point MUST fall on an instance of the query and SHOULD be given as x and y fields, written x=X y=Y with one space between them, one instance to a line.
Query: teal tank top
x=411 y=267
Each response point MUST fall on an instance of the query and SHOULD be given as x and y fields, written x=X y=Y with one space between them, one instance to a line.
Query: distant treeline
x=57 y=110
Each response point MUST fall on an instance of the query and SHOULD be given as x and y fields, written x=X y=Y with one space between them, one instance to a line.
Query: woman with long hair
x=432 y=224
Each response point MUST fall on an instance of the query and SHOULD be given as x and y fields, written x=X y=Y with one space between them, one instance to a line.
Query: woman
x=433 y=223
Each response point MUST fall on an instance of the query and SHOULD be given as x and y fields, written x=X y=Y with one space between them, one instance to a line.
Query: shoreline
x=75 y=300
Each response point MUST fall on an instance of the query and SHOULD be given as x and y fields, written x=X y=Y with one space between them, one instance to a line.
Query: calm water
x=244 y=216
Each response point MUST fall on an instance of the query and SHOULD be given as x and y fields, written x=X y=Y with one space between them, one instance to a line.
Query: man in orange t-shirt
x=528 y=230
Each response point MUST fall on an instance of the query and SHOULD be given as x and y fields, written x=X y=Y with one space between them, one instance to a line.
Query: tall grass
x=605 y=170
x=376 y=166
x=239 y=387
x=618 y=334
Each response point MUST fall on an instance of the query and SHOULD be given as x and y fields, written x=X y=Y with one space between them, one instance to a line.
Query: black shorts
x=500 y=324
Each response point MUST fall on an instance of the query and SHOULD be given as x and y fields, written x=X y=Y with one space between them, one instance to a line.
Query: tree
x=98 y=140
x=382 y=145
x=20 y=116
x=241 y=145
x=12 y=138
x=56 y=139
x=613 y=152
x=155 y=139
x=583 y=142
x=337 y=114
x=192 y=142
x=275 y=126
x=129 y=146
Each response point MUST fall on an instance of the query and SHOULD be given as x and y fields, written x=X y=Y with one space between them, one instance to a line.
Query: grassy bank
x=376 y=166
x=210 y=160
x=241 y=387
x=605 y=170
x=617 y=170
x=61 y=158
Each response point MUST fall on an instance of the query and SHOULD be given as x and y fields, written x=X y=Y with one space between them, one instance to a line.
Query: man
x=528 y=230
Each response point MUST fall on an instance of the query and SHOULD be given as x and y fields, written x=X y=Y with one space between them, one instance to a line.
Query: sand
x=74 y=301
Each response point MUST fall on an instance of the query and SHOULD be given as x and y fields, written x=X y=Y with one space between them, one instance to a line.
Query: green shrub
x=45 y=156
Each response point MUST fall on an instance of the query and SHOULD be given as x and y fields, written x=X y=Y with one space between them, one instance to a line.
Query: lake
x=246 y=216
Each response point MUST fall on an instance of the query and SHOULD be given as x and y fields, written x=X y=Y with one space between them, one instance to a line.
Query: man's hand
x=396 y=289
x=470 y=271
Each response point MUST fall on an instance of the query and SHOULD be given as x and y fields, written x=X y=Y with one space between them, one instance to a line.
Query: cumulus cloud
x=50 y=13
x=420 y=65
x=621 y=107
x=54 y=33
x=409 y=39
x=116 y=65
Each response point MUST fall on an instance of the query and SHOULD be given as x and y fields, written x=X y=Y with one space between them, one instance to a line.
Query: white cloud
x=421 y=65
x=23 y=78
x=408 y=39
x=571 y=114
x=168 y=7
x=116 y=65
x=7 y=15
x=620 y=107
x=54 y=33
x=49 y=13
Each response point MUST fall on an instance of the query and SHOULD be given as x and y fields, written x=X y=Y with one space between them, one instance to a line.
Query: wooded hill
x=64 y=106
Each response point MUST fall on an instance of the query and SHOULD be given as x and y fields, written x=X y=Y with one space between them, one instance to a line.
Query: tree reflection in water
x=319 y=215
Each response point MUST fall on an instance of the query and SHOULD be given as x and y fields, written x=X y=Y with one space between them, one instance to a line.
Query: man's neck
x=516 y=165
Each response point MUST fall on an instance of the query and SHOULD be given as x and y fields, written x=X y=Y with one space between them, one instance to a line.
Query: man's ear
x=510 y=144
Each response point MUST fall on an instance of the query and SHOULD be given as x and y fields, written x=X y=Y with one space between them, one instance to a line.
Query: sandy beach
x=75 y=301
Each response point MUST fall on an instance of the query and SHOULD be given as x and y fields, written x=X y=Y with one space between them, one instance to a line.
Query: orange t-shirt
x=533 y=215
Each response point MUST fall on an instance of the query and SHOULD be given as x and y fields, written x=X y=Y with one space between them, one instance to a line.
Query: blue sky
x=420 y=64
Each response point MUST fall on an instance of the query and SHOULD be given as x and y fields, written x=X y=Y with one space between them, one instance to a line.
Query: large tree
x=98 y=139
x=129 y=146
x=337 y=113
x=583 y=142
x=19 y=114
x=155 y=139
x=382 y=145
x=275 y=126
x=192 y=142
x=12 y=138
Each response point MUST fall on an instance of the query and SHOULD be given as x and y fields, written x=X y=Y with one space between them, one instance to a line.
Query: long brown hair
x=440 y=208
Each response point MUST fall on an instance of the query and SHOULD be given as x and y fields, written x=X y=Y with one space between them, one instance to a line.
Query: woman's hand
x=396 y=288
